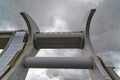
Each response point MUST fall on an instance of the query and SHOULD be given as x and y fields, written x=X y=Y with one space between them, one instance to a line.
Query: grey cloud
x=37 y=74
x=105 y=27
x=44 y=11
x=69 y=74
x=34 y=77
x=9 y=15
x=59 y=53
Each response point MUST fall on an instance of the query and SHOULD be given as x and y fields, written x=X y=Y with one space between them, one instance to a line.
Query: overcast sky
x=67 y=15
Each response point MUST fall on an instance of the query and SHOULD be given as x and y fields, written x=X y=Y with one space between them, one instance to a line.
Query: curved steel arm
x=18 y=72
x=32 y=26
x=98 y=72
x=87 y=31
x=88 y=43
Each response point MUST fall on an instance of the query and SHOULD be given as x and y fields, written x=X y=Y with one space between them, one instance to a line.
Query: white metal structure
x=21 y=46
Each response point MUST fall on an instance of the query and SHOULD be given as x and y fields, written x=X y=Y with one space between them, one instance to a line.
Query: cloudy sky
x=67 y=15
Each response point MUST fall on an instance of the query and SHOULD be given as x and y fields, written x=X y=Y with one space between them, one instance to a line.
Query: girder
x=59 y=40
x=59 y=62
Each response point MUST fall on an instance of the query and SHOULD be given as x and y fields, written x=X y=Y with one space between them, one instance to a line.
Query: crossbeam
x=59 y=62
x=59 y=40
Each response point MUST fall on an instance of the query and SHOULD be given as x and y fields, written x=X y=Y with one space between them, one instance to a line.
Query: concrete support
x=59 y=62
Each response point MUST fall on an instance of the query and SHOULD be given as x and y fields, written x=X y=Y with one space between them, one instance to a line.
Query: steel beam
x=59 y=40
x=59 y=62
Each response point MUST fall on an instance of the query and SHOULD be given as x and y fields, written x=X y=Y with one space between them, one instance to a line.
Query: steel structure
x=21 y=46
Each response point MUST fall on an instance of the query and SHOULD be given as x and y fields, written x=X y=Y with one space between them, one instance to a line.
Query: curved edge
x=32 y=27
x=18 y=72
x=98 y=72
x=87 y=31
x=88 y=43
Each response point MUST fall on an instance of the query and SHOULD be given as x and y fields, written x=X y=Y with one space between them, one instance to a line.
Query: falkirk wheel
x=21 y=46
